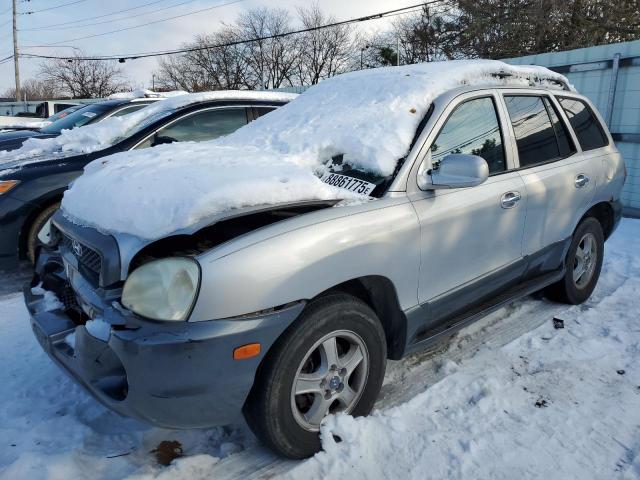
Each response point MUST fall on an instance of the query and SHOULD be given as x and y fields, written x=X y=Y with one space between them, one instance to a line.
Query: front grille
x=88 y=257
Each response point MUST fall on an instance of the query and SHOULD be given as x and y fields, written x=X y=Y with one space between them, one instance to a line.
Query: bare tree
x=323 y=52
x=34 y=89
x=83 y=78
x=213 y=66
x=271 y=59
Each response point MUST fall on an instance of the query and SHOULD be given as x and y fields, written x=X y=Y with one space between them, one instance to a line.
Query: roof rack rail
x=533 y=81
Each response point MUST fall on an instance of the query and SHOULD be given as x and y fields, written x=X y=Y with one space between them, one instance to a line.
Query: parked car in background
x=64 y=113
x=84 y=115
x=35 y=125
x=48 y=108
x=34 y=177
x=275 y=271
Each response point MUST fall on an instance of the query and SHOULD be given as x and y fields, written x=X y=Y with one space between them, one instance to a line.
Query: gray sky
x=160 y=36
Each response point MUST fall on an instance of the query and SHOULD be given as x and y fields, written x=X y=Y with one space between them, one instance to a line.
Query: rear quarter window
x=587 y=127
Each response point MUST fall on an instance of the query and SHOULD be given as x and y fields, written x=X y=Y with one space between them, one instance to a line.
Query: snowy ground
x=510 y=397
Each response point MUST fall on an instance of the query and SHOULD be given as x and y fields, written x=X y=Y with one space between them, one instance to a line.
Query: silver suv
x=288 y=312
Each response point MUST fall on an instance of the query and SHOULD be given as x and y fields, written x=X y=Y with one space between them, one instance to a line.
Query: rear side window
x=565 y=144
x=535 y=134
x=472 y=129
x=587 y=127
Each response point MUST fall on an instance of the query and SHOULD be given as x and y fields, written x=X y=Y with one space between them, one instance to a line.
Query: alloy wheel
x=330 y=379
x=585 y=260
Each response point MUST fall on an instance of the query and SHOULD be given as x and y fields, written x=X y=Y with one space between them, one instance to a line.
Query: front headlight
x=6 y=185
x=163 y=289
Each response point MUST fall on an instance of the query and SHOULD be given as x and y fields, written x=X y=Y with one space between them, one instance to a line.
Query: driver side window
x=472 y=129
x=198 y=127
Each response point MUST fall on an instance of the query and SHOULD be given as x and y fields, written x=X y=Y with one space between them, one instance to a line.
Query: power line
x=146 y=24
x=52 y=8
x=44 y=27
x=134 y=56
x=128 y=17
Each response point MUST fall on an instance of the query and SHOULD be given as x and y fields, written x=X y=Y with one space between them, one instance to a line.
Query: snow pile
x=172 y=193
x=99 y=329
x=369 y=116
x=474 y=417
x=98 y=136
x=49 y=300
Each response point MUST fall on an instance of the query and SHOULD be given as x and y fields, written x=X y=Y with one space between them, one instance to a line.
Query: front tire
x=331 y=359
x=39 y=232
x=582 y=264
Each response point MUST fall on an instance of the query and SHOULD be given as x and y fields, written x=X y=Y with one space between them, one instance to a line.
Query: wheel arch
x=603 y=212
x=379 y=293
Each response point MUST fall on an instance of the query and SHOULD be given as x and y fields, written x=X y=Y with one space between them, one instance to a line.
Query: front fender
x=301 y=263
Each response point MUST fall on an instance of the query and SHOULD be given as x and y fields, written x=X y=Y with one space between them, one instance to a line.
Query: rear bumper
x=176 y=376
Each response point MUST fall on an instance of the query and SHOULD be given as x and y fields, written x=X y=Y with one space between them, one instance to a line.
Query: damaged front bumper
x=169 y=374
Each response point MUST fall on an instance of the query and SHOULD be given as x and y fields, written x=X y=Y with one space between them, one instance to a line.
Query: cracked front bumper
x=169 y=374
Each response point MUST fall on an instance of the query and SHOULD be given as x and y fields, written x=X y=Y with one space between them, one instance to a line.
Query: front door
x=471 y=238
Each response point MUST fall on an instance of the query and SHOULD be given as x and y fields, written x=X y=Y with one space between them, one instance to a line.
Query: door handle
x=581 y=180
x=510 y=199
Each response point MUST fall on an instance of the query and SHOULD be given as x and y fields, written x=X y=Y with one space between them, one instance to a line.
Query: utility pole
x=16 y=66
x=398 y=52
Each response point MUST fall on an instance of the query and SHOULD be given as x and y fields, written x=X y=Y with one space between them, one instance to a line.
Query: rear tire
x=36 y=230
x=348 y=380
x=582 y=264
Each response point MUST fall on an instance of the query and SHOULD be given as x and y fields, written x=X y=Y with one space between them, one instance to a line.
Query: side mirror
x=455 y=171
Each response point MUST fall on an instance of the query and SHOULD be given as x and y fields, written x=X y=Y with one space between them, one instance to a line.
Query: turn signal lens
x=6 y=185
x=246 y=351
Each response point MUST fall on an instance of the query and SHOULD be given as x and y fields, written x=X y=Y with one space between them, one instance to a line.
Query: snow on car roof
x=368 y=116
x=98 y=136
x=145 y=94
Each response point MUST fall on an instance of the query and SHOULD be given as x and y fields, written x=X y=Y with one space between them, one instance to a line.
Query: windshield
x=77 y=119
x=64 y=113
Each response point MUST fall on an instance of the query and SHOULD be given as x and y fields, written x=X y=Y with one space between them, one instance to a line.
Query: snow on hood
x=101 y=135
x=368 y=116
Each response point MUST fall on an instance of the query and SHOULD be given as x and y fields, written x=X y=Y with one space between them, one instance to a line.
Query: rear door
x=559 y=180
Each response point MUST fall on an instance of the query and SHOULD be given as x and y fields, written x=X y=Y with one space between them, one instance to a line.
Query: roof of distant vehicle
x=137 y=94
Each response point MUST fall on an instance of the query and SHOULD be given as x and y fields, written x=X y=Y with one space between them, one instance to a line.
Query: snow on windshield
x=369 y=116
x=98 y=136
